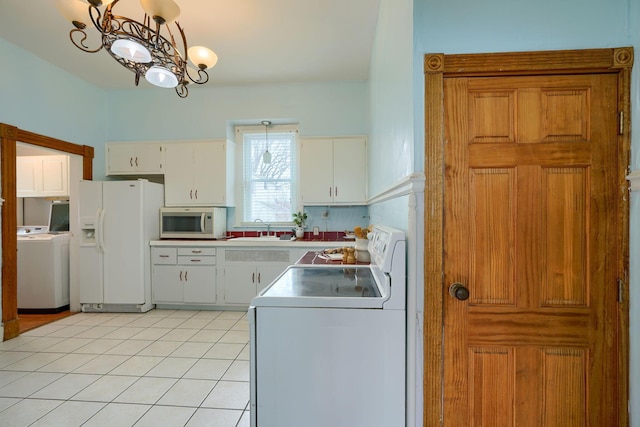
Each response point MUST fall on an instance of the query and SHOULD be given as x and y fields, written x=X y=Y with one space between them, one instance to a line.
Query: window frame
x=239 y=132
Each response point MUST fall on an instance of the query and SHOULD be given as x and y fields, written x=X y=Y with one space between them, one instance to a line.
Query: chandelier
x=146 y=48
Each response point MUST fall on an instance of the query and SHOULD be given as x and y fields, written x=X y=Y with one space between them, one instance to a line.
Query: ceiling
x=257 y=41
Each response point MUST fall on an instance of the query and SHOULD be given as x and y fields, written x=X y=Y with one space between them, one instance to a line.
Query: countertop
x=252 y=242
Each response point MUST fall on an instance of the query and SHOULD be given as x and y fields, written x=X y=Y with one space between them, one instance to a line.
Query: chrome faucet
x=265 y=223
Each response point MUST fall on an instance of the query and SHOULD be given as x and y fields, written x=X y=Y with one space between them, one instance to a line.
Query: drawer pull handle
x=164 y=256
x=196 y=260
x=196 y=251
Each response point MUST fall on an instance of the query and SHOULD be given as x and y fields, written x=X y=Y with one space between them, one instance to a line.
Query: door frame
x=437 y=67
x=9 y=136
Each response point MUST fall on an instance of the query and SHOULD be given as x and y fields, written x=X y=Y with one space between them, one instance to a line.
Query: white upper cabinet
x=333 y=171
x=199 y=173
x=42 y=176
x=134 y=158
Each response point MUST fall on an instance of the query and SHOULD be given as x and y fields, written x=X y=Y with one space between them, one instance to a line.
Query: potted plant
x=300 y=220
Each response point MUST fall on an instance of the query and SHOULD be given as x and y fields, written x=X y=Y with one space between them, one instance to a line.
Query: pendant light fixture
x=266 y=156
x=154 y=48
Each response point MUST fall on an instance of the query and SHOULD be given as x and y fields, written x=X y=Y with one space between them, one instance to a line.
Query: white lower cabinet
x=248 y=271
x=241 y=284
x=184 y=275
x=216 y=276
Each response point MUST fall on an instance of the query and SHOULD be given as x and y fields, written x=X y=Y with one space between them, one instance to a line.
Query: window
x=269 y=190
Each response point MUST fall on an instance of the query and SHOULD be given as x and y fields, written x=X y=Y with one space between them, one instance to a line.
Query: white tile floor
x=161 y=368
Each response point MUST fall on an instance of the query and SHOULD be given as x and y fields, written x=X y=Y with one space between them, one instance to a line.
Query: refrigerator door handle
x=100 y=231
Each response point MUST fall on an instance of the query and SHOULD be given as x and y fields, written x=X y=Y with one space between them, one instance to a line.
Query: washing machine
x=43 y=270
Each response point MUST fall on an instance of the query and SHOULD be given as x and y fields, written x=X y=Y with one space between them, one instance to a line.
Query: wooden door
x=530 y=229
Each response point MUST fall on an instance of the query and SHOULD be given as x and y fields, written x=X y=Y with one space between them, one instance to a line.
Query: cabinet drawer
x=197 y=251
x=163 y=255
x=196 y=260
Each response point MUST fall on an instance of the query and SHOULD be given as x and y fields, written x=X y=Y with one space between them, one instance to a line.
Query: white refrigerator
x=117 y=220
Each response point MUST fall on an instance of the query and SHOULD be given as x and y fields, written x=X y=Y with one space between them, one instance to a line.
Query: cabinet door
x=266 y=275
x=178 y=175
x=209 y=173
x=239 y=284
x=55 y=176
x=349 y=170
x=143 y=158
x=316 y=171
x=200 y=284
x=26 y=177
x=42 y=176
x=168 y=283
x=147 y=158
x=120 y=159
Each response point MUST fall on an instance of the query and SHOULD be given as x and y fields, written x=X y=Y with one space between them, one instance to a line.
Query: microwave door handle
x=202 y=224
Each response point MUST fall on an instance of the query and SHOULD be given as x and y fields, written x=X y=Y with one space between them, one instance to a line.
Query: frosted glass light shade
x=160 y=76
x=266 y=157
x=74 y=10
x=202 y=57
x=167 y=9
x=131 y=50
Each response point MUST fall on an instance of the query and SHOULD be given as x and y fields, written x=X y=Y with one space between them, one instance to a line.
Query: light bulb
x=131 y=50
x=160 y=76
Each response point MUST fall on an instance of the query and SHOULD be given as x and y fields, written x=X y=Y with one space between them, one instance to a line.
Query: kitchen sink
x=258 y=239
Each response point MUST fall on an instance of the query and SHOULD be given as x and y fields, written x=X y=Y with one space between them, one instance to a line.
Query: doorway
x=484 y=114
x=9 y=136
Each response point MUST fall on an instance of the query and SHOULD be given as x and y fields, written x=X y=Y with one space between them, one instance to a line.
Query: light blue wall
x=470 y=26
x=320 y=109
x=41 y=98
x=392 y=143
x=38 y=97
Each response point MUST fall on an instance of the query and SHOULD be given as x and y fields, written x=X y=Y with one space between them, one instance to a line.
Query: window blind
x=269 y=188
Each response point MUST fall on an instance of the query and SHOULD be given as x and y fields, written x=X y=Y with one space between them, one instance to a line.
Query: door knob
x=459 y=291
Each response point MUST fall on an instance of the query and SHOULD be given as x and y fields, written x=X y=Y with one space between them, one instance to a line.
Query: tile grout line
x=236 y=325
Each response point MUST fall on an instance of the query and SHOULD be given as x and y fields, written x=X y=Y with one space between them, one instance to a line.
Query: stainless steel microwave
x=193 y=223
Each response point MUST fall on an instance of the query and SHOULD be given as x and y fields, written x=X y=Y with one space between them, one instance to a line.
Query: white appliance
x=328 y=343
x=117 y=220
x=193 y=223
x=43 y=270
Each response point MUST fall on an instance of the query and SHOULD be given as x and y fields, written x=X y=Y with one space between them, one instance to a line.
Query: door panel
x=124 y=255
x=530 y=217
